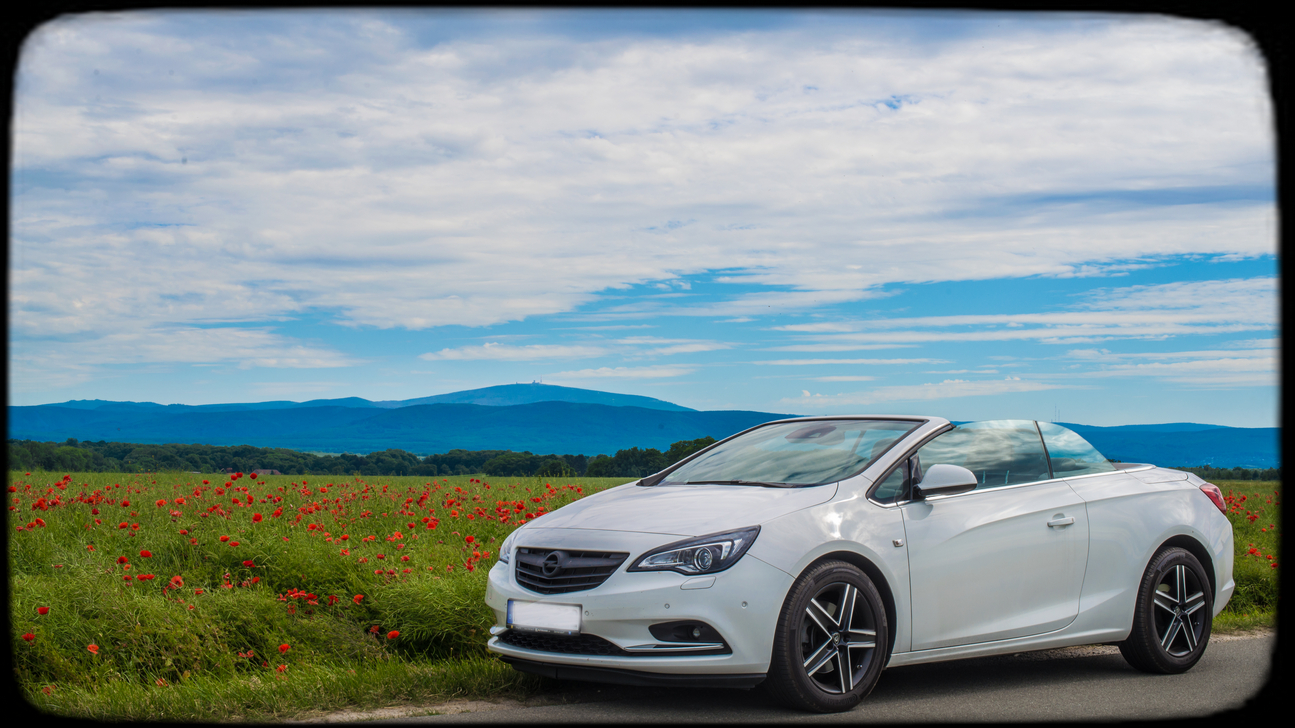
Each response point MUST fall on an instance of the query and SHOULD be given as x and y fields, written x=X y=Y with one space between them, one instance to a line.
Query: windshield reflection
x=791 y=454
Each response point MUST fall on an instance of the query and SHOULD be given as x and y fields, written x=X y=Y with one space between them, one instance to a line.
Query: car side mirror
x=944 y=479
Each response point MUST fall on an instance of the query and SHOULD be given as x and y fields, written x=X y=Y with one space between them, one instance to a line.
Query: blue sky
x=974 y=215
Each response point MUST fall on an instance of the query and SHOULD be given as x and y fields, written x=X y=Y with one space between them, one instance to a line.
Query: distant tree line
x=124 y=457
x=1207 y=473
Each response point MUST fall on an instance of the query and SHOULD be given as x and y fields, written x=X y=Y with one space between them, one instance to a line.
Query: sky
x=976 y=215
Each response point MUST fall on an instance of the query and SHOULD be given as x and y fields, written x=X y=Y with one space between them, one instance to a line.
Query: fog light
x=696 y=632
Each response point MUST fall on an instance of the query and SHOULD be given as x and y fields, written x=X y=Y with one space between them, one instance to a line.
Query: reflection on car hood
x=683 y=510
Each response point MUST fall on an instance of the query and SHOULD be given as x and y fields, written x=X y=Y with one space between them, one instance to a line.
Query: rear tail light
x=1215 y=495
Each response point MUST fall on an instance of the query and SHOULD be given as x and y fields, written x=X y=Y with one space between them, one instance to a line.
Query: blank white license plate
x=544 y=617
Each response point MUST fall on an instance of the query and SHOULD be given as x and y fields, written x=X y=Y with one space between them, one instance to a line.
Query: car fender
x=850 y=524
x=1129 y=521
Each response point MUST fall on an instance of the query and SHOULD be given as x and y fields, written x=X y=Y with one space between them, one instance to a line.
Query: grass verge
x=296 y=693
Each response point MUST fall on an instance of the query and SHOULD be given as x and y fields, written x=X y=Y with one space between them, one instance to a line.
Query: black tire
x=1171 y=622
x=815 y=646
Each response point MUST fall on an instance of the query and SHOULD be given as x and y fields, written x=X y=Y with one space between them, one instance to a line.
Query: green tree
x=600 y=467
x=555 y=468
x=682 y=449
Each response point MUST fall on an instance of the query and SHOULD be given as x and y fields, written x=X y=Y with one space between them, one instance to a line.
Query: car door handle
x=1059 y=522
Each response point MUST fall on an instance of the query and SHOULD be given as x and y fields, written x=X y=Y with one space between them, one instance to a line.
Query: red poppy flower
x=122 y=560
x=282 y=668
x=249 y=563
x=94 y=649
x=29 y=637
x=470 y=539
x=357 y=598
x=373 y=629
x=256 y=518
x=252 y=476
x=42 y=610
x=392 y=634
x=206 y=482
x=223 y=539
x=123 y=524
x=160 y=502
x=233 y=543
x=89 y=547
x=284 y=648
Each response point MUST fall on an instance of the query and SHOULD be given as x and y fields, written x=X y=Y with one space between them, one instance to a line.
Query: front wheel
x=1174 y=612
x=831 y=642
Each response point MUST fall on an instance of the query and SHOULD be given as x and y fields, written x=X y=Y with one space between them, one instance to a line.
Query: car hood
x=683 y=510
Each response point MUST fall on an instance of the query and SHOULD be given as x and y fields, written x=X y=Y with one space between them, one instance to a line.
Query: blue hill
x=535 y=417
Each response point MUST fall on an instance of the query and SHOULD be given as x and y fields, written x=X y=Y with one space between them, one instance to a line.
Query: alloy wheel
x=838 y=638
x=1179 y=617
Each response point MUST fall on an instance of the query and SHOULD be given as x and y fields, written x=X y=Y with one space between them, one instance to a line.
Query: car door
x=1004 y=560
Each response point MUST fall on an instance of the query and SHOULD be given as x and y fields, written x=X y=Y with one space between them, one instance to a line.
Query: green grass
x=209 y=648
x=202 y=638
x=1256 y=575
x=296 y=693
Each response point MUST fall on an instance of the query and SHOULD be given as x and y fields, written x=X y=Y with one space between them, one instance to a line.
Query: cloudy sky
x=975 y=215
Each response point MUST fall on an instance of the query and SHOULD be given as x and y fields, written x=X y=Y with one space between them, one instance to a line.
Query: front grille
x=558 y=571
x=583 y=644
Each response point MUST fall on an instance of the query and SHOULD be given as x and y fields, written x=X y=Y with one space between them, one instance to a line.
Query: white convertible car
x=808 y=554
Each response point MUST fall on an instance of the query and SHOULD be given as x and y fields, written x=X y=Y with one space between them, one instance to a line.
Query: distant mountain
x=1186 y=444
x=538 y=418
x=560 y=427
x=504 y=395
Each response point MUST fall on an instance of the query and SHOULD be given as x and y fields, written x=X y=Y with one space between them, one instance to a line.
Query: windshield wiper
x=740 y=482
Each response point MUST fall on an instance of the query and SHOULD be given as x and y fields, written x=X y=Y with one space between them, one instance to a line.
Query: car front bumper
x=741 y=603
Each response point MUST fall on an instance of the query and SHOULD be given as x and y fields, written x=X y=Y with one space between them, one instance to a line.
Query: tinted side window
x=1071 y=454
x=998 y=452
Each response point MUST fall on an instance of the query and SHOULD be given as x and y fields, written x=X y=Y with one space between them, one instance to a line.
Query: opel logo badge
x=553 y=563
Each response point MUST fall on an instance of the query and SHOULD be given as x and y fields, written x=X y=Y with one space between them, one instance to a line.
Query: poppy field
x=231 y=597
x=212 y=596
x=1254 y=507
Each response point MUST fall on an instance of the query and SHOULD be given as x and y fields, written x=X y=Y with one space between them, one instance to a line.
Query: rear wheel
x=831 y=642
x=1171 y=622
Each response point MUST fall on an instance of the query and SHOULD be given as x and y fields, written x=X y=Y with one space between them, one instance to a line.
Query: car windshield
x=788 y=454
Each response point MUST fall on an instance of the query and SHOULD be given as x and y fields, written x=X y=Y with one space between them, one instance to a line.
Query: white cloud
x=494 y=351
x=42 y=364
x=843 y=379
x=1217 y=368
x=656 y=372
x=331 y=162
x=947 y=389
x=870 y=362
x=1134 y=312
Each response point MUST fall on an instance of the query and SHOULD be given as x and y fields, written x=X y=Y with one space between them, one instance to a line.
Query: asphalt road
x=1075 y=684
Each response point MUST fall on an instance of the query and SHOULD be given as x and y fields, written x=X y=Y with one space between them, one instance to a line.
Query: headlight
x=506 y=548
x=705 y=555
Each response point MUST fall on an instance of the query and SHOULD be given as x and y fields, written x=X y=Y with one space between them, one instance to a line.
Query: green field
x=196 y=597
